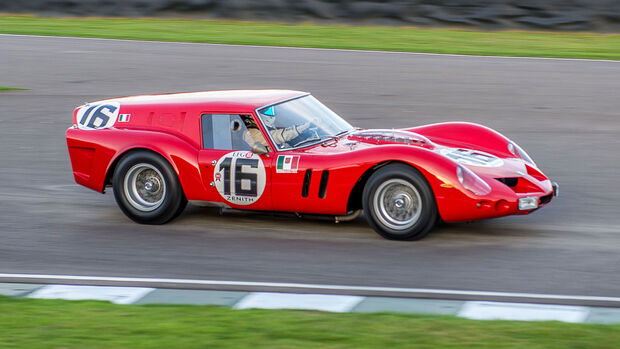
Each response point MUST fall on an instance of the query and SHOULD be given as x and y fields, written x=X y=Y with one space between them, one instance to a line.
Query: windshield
x=301 y=121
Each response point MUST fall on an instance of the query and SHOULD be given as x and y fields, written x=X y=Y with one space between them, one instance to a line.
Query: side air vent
x=509 y=181
x=306 y=186
x=323 y=186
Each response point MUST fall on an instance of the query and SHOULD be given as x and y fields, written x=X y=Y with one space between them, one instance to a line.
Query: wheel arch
x=124 y=153
x=354 y=201
x=173 y=200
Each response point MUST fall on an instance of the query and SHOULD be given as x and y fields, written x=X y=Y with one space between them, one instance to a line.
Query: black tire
x=147 y=189
x=399 y=203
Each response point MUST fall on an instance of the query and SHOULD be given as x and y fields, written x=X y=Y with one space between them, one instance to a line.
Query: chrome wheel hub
x=144 y=187
x=397 y=204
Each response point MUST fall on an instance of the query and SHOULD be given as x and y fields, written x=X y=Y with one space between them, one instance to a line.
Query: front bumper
x=530 y=203
x=459 y=206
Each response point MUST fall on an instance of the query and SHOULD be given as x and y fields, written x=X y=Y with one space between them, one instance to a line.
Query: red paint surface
x=170 y=126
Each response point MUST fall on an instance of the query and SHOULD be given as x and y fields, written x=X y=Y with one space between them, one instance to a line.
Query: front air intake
x=545 y=199
x=509 y=181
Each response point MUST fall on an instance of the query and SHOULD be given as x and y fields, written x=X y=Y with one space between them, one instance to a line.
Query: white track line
x=343 y=288
x=118 y=295
x=271 y=300
x=316 y=48
x=523 y=312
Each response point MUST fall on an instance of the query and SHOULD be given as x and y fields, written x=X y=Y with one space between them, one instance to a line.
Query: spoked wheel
x=399 y=204
x=144 y=187
x=147 y=189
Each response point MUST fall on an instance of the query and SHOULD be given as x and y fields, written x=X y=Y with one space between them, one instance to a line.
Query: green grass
x=507 y=43
x=8 y=88
x=31 y=323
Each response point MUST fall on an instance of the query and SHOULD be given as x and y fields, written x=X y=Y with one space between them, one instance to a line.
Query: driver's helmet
x=269 y=117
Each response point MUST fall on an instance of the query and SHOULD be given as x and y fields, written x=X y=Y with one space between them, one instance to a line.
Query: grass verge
x=506 y=43
x=8 y=88
x=32 y=323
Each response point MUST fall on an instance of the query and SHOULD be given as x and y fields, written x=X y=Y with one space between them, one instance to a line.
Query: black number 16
x=237 y=165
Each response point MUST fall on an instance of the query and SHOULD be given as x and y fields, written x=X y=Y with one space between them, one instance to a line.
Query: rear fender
x=182 y=156
x=107 y=147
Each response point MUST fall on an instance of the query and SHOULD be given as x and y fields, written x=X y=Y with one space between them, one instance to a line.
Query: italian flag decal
x=287 y=164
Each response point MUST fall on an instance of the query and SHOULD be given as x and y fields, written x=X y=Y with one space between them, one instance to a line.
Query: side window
x=227 y=132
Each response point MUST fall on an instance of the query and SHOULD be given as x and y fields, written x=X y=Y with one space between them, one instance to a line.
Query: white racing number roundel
x=239 y=177
x=472 y=157
x=96 y=116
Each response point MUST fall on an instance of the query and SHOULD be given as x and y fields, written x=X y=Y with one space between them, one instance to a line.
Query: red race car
x=280 y=150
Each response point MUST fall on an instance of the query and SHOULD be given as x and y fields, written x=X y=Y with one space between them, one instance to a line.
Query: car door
x=300 y=183
x=230 y=171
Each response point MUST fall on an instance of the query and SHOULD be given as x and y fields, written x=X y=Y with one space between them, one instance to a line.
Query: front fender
x=466 y=135
x=454 y=202
x=439 y=171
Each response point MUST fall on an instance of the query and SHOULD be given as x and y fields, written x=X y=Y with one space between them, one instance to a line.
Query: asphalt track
x=566 y=113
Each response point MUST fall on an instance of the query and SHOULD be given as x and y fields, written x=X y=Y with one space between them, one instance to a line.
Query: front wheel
x=147 y=189
x=399 y=204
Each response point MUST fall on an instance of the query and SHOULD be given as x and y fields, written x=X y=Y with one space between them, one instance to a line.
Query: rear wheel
x=147 y=189
x=399 y=204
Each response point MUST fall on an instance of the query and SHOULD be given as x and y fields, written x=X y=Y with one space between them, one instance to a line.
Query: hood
x=460 y=155
x=385 y=136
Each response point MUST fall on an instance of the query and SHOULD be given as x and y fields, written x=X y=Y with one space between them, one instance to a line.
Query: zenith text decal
x=96 y=116
x=239 y=177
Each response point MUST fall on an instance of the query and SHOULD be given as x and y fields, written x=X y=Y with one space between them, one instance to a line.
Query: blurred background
x=564 y=112
x=563 y=108
x=584 y=15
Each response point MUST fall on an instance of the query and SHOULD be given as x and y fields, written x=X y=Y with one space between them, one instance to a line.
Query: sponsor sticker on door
x=240 y=177
x=287 y=164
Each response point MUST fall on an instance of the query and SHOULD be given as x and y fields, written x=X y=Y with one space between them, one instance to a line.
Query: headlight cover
x=471 y=181
x=520 y=153
x=528 y=203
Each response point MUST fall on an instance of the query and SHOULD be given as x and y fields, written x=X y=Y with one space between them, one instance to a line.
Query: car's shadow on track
x=324 y=227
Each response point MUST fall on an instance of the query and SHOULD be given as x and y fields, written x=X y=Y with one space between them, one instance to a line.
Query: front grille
x=509 y=181
x=545 y=199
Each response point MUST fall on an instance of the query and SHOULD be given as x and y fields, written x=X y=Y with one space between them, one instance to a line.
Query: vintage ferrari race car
x=280 y=150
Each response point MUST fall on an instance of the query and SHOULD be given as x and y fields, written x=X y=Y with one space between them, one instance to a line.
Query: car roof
x=245 y=100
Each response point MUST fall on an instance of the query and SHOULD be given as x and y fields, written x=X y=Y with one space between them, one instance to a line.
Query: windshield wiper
x=341 y=133
x=306 y=141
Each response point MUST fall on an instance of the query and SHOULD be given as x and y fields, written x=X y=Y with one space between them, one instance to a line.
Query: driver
x=279 y=135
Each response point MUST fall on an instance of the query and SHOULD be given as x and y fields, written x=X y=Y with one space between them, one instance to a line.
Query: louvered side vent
x=306 y=186
x=323 y=186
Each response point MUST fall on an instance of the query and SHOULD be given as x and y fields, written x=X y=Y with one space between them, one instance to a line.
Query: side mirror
x=259 y=149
